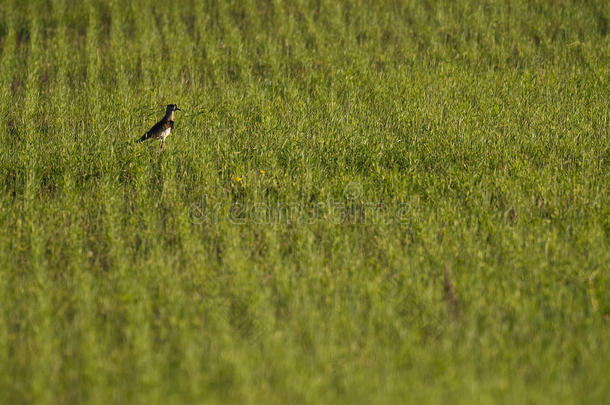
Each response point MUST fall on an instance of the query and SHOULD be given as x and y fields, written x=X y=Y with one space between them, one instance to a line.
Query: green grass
x=397 y=139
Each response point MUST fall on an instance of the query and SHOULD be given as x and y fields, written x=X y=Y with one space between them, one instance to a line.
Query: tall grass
x=290 y=244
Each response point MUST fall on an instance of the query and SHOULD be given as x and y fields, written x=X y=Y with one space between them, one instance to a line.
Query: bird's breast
x=165 y=133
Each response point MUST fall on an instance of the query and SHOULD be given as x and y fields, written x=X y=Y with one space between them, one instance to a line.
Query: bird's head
x=171 y=108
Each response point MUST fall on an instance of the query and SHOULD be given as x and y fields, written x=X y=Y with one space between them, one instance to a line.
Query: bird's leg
x=161 y=145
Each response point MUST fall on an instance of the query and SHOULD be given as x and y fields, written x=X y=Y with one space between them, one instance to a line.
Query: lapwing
x=162 y=128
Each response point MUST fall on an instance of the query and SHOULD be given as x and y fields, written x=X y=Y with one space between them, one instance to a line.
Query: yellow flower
x=236 y=179
x=262 y=172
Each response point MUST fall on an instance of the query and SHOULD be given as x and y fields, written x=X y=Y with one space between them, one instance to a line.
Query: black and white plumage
x=162 y=129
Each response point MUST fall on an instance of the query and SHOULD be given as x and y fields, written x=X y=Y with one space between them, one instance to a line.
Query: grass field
x=361 y=202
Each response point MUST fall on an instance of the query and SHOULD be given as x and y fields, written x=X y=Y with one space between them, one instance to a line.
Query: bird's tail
x=144 y=137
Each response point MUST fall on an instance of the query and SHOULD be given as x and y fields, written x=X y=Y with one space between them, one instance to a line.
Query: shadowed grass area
x=361 y=202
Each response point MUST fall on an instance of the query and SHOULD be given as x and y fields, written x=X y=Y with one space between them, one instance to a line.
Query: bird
x=162 y=128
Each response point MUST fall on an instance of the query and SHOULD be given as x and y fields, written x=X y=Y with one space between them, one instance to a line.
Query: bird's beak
x=177 y=109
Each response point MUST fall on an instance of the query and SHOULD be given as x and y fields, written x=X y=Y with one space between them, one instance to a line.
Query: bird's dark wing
x=154 y=131
x=144 y=137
